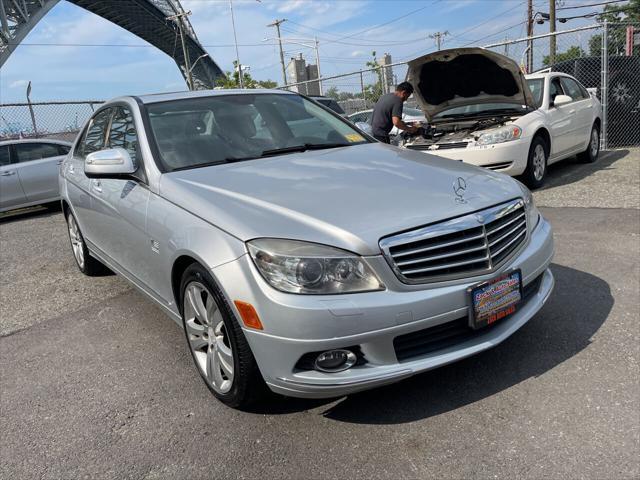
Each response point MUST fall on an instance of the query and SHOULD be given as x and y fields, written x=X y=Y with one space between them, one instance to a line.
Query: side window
x=555 y=89
x=26 y=152
x=94 y=137
x=123 y=132
x=5 y=158
x=571 y=87
x=63 y=149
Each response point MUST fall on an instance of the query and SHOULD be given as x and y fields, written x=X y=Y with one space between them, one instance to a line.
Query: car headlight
x=533 y=214
x=308 y=268
x=500 y=135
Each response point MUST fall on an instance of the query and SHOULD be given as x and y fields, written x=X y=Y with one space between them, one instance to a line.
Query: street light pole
x=235 y=38
x=177 y=19
x=552 y=29
x=276 y=24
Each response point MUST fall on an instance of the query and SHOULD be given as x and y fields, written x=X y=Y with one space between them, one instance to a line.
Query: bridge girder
x=145 y=18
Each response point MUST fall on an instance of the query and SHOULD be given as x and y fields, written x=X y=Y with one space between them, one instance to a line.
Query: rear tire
x=214 y=337
x=536 y=170
x=85 y=262
x=590 y=155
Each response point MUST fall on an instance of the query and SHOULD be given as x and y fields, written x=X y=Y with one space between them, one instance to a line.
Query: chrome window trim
x=468 y=221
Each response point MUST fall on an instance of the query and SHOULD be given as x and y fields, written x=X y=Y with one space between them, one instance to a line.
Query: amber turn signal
x=249 y=315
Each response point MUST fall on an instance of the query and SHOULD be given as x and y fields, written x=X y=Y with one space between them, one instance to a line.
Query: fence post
x=364 y=96
x=604 y=83
x=33 y=117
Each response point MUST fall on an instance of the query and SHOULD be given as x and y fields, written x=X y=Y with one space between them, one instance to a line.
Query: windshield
x=536 y=85
x=481 y=109
x=195 y=132
x=413 y=112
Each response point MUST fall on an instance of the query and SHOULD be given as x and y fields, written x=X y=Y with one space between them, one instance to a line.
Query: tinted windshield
x=536 y=85
x=485 y=108
x=218 y=129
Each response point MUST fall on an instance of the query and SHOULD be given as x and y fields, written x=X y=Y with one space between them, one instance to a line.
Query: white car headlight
x=533 y=214
x=500 y=135
x=308 y=268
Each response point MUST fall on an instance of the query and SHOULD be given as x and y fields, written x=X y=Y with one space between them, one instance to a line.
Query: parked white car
x=484 y=111
x=29 y=172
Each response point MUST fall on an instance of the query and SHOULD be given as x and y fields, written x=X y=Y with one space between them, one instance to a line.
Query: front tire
x=590 y=155
x=85 y=262
x=536 y=170
x=218 y=346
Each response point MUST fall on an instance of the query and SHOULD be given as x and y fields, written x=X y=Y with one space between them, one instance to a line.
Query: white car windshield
x=195 y=132
x=536 y=85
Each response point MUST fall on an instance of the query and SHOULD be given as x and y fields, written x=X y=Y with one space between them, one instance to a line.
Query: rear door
x=37 y=164
x=583 y=106
x=11 y=193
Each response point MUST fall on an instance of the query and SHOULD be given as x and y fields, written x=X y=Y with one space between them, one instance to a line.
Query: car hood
x=347 y=197
x=466 y=76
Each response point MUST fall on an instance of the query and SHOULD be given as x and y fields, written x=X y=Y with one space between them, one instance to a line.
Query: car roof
x=532 y=76
x=35 y=140
x=165 y=97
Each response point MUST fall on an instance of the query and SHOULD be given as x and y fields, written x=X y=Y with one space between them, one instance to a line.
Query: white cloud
x=19 y=83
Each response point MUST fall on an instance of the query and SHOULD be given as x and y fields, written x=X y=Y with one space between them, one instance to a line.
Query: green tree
x=332 y=92
x=375 y=90
x=573 y=52
x=232 y=80
x=617 y=34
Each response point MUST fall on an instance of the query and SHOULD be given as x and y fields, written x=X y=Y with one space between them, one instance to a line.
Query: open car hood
x=466 y=76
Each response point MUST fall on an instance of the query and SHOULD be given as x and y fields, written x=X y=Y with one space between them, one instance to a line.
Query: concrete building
x=387 y=73
x=299 y=71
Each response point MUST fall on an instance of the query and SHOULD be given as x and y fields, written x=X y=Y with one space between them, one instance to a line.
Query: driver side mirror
x=110 y=163
x=561 y=100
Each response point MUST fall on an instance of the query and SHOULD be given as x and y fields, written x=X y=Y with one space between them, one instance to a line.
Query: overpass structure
x=162 y=23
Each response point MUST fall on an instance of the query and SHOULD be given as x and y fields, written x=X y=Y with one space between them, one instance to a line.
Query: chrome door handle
x=97 y=186
x=6 y=174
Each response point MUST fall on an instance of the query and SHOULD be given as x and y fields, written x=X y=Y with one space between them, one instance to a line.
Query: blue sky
x=101 y=72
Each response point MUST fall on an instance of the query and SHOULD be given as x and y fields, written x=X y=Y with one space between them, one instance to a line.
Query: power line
x=590 y=5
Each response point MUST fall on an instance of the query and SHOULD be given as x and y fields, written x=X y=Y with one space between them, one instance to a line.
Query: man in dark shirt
x=387 y=113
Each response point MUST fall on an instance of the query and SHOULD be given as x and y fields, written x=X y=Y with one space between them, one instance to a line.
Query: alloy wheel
x=76 y=241
x=539 y=162
x=208 y=337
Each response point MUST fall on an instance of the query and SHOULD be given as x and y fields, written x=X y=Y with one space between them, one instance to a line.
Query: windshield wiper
x=302 y=148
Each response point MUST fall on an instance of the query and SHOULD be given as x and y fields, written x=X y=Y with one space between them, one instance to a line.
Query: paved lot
x=96 y=381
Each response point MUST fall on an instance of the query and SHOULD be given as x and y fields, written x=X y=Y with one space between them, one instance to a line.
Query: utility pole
x=177 y=19
x=235 y=38
x=552 y=29
x=315 y=41
x=438 y=37
x=276 y=24
x=529 y=34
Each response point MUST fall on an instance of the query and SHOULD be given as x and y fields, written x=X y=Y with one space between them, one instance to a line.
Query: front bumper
x=299 y=324
x=508 y=157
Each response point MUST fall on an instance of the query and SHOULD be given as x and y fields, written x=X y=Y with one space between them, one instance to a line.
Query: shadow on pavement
x=576 y=309
x=571 y=170
x=46 y=210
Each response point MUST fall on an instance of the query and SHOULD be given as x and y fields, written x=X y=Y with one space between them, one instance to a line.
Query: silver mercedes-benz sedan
x=297 y=252
x=29 y=172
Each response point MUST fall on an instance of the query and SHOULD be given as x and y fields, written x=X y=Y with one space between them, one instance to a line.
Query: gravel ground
x=95 y=381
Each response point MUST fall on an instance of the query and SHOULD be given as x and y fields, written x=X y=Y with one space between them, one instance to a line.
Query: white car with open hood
x=484 y=111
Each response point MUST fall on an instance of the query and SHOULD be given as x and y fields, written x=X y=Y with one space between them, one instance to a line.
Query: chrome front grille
x=438 y=146
x=474 y=244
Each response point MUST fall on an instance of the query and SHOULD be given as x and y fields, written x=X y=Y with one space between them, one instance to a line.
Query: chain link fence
x=597 y=55
x=59 y=120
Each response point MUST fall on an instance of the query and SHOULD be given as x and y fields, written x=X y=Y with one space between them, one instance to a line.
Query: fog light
x=335 y=360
